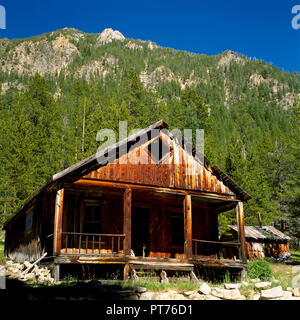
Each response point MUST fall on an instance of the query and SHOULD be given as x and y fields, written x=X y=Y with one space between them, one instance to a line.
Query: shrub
x=259 y=268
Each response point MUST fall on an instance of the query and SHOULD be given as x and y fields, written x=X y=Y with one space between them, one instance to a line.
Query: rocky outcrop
x=41 y=57
x=108 y=35
x=101 y=67
x=133 y=46
x=228 y=57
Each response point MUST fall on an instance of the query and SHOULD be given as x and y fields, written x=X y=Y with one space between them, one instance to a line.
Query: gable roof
x=83 y=167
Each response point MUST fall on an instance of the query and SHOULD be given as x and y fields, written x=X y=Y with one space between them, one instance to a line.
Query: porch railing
x=91 y=244
x=212 y=248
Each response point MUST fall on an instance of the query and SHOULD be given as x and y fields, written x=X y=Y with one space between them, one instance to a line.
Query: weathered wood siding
x=179 y=170
x=22 y=245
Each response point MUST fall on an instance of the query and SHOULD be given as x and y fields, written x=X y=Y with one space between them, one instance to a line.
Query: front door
x=140 y=231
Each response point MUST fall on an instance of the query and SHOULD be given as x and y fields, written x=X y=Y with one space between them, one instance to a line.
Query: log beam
x=59 y=202
x=241 y=231
x=127 y=221
x=188 y=226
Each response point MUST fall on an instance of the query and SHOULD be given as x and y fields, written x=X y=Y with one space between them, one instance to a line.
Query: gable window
x=177 y=228
x=158 y=150
x=92 y=218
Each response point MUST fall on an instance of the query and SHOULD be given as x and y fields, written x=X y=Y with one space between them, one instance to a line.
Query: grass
x=179 y=285
x=2 y=257
x=295 y=255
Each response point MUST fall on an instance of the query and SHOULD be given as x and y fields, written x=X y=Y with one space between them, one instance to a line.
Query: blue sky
x=256 y=28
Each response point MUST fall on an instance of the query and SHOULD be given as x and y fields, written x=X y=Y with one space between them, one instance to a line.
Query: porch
x=140 y=228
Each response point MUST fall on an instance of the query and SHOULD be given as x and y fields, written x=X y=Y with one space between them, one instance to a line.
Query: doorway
x=140 y=231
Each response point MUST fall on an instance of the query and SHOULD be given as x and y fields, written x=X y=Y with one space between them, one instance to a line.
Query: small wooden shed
x=263 y=241
x=163 y=206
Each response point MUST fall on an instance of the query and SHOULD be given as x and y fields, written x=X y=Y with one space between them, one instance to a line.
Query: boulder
x=205 y=288
x=139 y=289
x=245 y=283
x=232 y=285
x=256 y=297
x=262 y=285
x=228 y=294
x=296 y=292
x=272 y=293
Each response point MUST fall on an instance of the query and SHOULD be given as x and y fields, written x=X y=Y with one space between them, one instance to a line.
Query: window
x=158 y=150
x=177 y=228
x=92 y=218
x=28 y=220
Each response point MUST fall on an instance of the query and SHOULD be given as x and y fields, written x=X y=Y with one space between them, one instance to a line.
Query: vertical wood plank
x=127 y=220
x=188 y=226
x=241 y=231
x=58 y=220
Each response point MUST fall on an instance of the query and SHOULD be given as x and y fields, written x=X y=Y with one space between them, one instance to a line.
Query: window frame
x=92 y=203
x=158 y=162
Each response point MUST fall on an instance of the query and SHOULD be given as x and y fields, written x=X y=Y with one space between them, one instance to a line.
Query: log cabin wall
x=26 y=238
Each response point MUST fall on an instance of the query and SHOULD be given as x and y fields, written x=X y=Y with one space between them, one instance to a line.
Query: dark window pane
x=158 y=149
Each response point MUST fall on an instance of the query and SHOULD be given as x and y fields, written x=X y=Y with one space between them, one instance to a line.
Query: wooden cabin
x=261 y=241
x=126 y=205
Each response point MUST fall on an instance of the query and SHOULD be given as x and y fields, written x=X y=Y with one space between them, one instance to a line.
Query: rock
x=163 y=277
x=296 y=292
x=197 y=296
x=211 y=297
x=256 y=297
x=255 y=280
x=272 y=293
x=232 y=285
x=108 y=35
x=228 y=294
x=262 y=285
x=139 y=289
x=245 y=283
x=289 y=289
x=169 y=295
x=217 y=293
x=188 y=293
x=205 y=288
x=233 y=294
x=286 y=295
x=147 y=296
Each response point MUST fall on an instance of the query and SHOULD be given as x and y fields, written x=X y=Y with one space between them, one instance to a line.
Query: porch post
x=188 y=226
x=241 y=231
x=59 y=202
x=127 y=221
